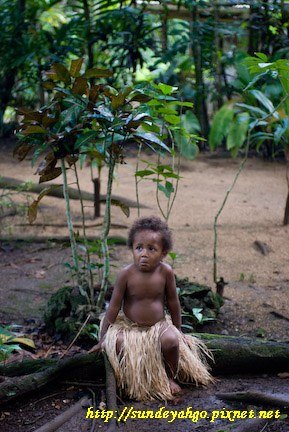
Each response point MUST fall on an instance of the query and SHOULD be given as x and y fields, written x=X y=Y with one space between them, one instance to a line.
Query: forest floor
x=256 y=297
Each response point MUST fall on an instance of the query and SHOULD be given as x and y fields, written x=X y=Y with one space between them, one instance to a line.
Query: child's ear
x=164 y=253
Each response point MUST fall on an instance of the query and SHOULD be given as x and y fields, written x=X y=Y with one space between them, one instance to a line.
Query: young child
x=145 y=347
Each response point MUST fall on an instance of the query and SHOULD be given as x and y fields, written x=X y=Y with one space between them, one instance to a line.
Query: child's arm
x=113 y=308
x=172 y=298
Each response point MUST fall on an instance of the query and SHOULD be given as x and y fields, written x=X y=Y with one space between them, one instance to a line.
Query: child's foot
x=175 y=388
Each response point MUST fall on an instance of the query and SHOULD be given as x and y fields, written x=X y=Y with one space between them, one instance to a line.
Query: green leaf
x=151 y=138
x=80 y=86
x=97 y=73
x=252 y=109
x=61 y=72
x=85 y=139
x=238 y=131
x=197 y=312
x=172 y=119
x=117 y=101
x=34 y=130
x=220 y=126
x=187 y=146
x=144 y=173
x=190 y=122
x=166 y=89
x=265 y=102
x=261 y=56
x=75 y=67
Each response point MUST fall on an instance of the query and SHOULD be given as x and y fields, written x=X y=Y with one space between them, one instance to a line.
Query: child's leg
x=170 y=351
x=119 y=343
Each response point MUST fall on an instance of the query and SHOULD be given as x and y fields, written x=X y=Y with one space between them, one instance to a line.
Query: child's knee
x=169 y=340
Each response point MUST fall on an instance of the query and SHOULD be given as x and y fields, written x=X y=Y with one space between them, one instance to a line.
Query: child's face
x=147 y=250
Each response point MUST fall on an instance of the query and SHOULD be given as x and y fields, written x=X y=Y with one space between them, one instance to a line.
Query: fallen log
x=58 y=421
x=232 y=355
x=13 y=387
x=235 y=354
x=116 y=240
x=11 y=183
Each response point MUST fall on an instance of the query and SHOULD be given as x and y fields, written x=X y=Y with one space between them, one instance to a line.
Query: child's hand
x=96 y=348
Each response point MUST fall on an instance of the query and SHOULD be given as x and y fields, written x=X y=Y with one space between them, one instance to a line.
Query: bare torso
x=144 y=295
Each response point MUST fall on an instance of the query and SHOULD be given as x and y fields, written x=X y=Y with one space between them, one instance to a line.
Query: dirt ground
x=256 y=297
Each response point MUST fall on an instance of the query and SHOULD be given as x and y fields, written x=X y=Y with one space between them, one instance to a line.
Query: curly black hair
x=152 y=223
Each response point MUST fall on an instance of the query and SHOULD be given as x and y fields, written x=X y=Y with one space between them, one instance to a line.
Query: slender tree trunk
x=253 y=38
x=88 y=33
x=70 y=225
x=216 y=55
x=106 y=228
x=286 y=212
x=164 y=18
x=7 y=84
x=196 y=51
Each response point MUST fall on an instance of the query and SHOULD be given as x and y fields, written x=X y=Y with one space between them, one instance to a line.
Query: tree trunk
x=216 y=57
x=232 y=355
x=196 y=51
x=286 y=212
x=253 y=38
x=6 y=86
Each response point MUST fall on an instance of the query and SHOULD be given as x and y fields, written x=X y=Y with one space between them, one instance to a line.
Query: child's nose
x=144 y=252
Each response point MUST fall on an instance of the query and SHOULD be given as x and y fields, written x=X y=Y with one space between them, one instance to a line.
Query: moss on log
x=246 y=355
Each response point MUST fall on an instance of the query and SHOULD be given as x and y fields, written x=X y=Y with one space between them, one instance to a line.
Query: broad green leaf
x=187 y=146
x=252 y=109
x=220 y=126
x=190 y=122
x=80 y=86
x=265 y=102
x=262 y=56
x=184 y=104
x=117 y=101
x=151 y=138
x=34 y=130
x=197 y=312
x=30 y=115
x=172 y=119
x=61 y=72
x=165 y=190
x=238 y=131
x=166 y=89
x=20 y=340
x=75 y=67
x=97 y=73
x=144 y=173
x=85 y=139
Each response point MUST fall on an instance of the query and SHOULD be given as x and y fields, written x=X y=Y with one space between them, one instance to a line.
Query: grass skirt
x=139 y=366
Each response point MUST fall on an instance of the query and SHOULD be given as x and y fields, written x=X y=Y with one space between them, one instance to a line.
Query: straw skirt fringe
x=139 y=367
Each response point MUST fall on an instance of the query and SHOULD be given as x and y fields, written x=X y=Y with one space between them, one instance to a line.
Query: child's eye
x=152 y=248
x=139 y=247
